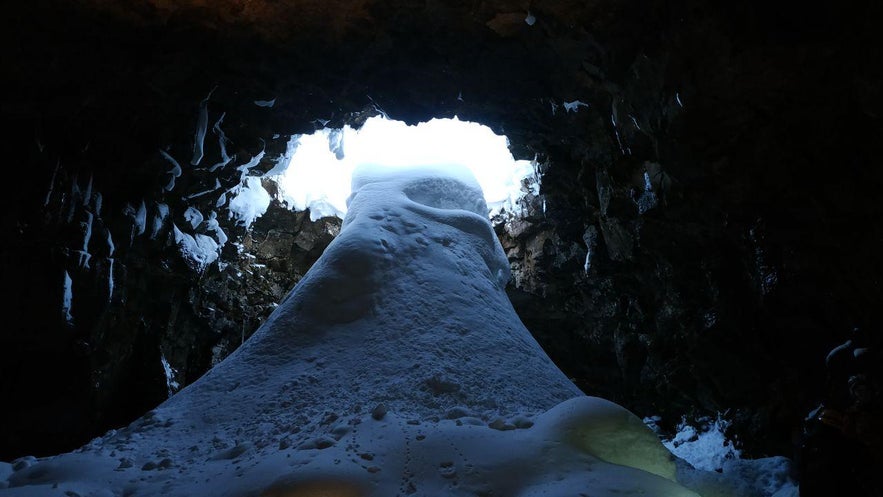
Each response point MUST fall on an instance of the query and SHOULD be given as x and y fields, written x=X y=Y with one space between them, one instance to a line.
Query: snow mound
x=397 y=366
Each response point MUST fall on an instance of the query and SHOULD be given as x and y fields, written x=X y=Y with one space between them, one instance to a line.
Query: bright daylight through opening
x=317 y=170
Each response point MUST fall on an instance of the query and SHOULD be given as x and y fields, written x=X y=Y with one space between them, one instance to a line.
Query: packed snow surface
x=397 y=366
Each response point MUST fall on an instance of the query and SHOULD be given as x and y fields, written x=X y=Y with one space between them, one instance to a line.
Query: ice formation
x=397 y=366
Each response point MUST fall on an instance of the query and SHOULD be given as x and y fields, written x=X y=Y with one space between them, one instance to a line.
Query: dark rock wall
x=706 y=231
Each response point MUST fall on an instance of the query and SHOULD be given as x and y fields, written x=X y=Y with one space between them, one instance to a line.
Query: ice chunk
x=67 y=298
x=647 y=200
x=201 y=128
x=159 y=219
x=138 y=217
x=335 y=143
x=193 y=216
x=110 y=279
x=265 y=103
x=574 y=106
x=249 y=201
x=199 y=250
x=213 y=226
x=97 y=200
x=171 y=374
x=86 y=231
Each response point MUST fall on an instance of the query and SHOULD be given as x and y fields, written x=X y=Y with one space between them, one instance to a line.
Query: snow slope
x=397 y=366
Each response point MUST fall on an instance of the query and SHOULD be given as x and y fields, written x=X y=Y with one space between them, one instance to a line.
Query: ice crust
x=397 y=366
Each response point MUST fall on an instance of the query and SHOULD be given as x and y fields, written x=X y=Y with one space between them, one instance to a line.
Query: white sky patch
x=317 y=179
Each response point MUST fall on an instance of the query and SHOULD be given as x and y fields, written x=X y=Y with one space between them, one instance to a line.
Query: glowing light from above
x=320 y=169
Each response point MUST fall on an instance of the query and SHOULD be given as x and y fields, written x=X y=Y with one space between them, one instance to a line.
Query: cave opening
x=316 y=170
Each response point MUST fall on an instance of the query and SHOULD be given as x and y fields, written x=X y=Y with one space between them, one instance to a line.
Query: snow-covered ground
x=711 y=464
x=397 y=366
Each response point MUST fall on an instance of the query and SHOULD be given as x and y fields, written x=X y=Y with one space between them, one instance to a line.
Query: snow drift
x=396 y=366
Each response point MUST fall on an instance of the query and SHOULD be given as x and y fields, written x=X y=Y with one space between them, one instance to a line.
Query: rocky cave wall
x=706 y=230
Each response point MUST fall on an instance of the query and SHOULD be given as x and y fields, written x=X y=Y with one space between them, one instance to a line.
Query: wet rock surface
x=707 y=227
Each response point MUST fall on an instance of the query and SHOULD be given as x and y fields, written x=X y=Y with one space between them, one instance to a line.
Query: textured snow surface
x=397 y=366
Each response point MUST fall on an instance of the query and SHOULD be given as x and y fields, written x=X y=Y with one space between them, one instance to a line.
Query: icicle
x=75 y=197
x=52 y=183
x=176 y=168
x=141 y=218
x=203 y=192
x=222 y=144
x=616 y=131
x=84 y=258
x=68 y=298
x=110 y=245
x=159 y=219
x=86 y=226
x=110 y=278
x=97 y=200
x=335 y=143
x=635 y=122
x=88 y=195
x=201 y=128
x=175 y=172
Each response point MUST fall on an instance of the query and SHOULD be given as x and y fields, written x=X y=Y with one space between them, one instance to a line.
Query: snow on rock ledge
x=396 y=366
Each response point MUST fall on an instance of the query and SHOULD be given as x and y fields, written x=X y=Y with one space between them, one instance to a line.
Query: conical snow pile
x=397 y=366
